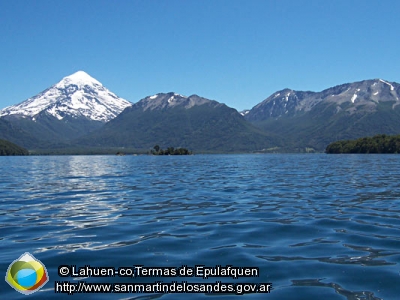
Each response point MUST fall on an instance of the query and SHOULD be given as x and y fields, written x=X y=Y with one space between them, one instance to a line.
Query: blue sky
x=235 y=52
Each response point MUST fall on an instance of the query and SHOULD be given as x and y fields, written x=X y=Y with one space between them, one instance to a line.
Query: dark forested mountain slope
x=174 y=120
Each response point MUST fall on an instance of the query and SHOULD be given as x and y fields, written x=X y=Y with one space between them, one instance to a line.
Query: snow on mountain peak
x=76 y=95
x=79 y=78
x=391 y=86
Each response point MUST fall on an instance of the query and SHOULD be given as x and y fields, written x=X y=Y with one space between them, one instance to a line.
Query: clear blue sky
x=237 y=52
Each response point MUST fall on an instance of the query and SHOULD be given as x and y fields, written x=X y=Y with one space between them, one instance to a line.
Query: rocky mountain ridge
x=171 y=100
x=362 y=95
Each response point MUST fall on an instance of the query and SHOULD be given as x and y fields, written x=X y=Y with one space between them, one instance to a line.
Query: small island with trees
x=381 y=143
x=170 y=151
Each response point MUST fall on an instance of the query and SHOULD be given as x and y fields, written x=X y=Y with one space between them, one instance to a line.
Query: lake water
x=317 y=226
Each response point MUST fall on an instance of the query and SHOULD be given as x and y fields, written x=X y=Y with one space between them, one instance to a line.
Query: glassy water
x=316 y=226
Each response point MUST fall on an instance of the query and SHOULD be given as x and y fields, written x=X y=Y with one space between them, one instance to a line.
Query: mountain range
x=80 y=112
x=315 y=119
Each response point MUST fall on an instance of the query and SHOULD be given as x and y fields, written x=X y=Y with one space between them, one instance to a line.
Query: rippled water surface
x=317 y=226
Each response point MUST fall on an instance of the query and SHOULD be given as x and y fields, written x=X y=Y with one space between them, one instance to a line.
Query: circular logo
x=27 y=274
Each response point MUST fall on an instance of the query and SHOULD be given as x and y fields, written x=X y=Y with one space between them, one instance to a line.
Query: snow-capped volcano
x=77 y=95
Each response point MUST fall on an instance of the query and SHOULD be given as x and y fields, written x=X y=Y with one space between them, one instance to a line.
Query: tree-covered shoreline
x=381 y=143
x=10 y=149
